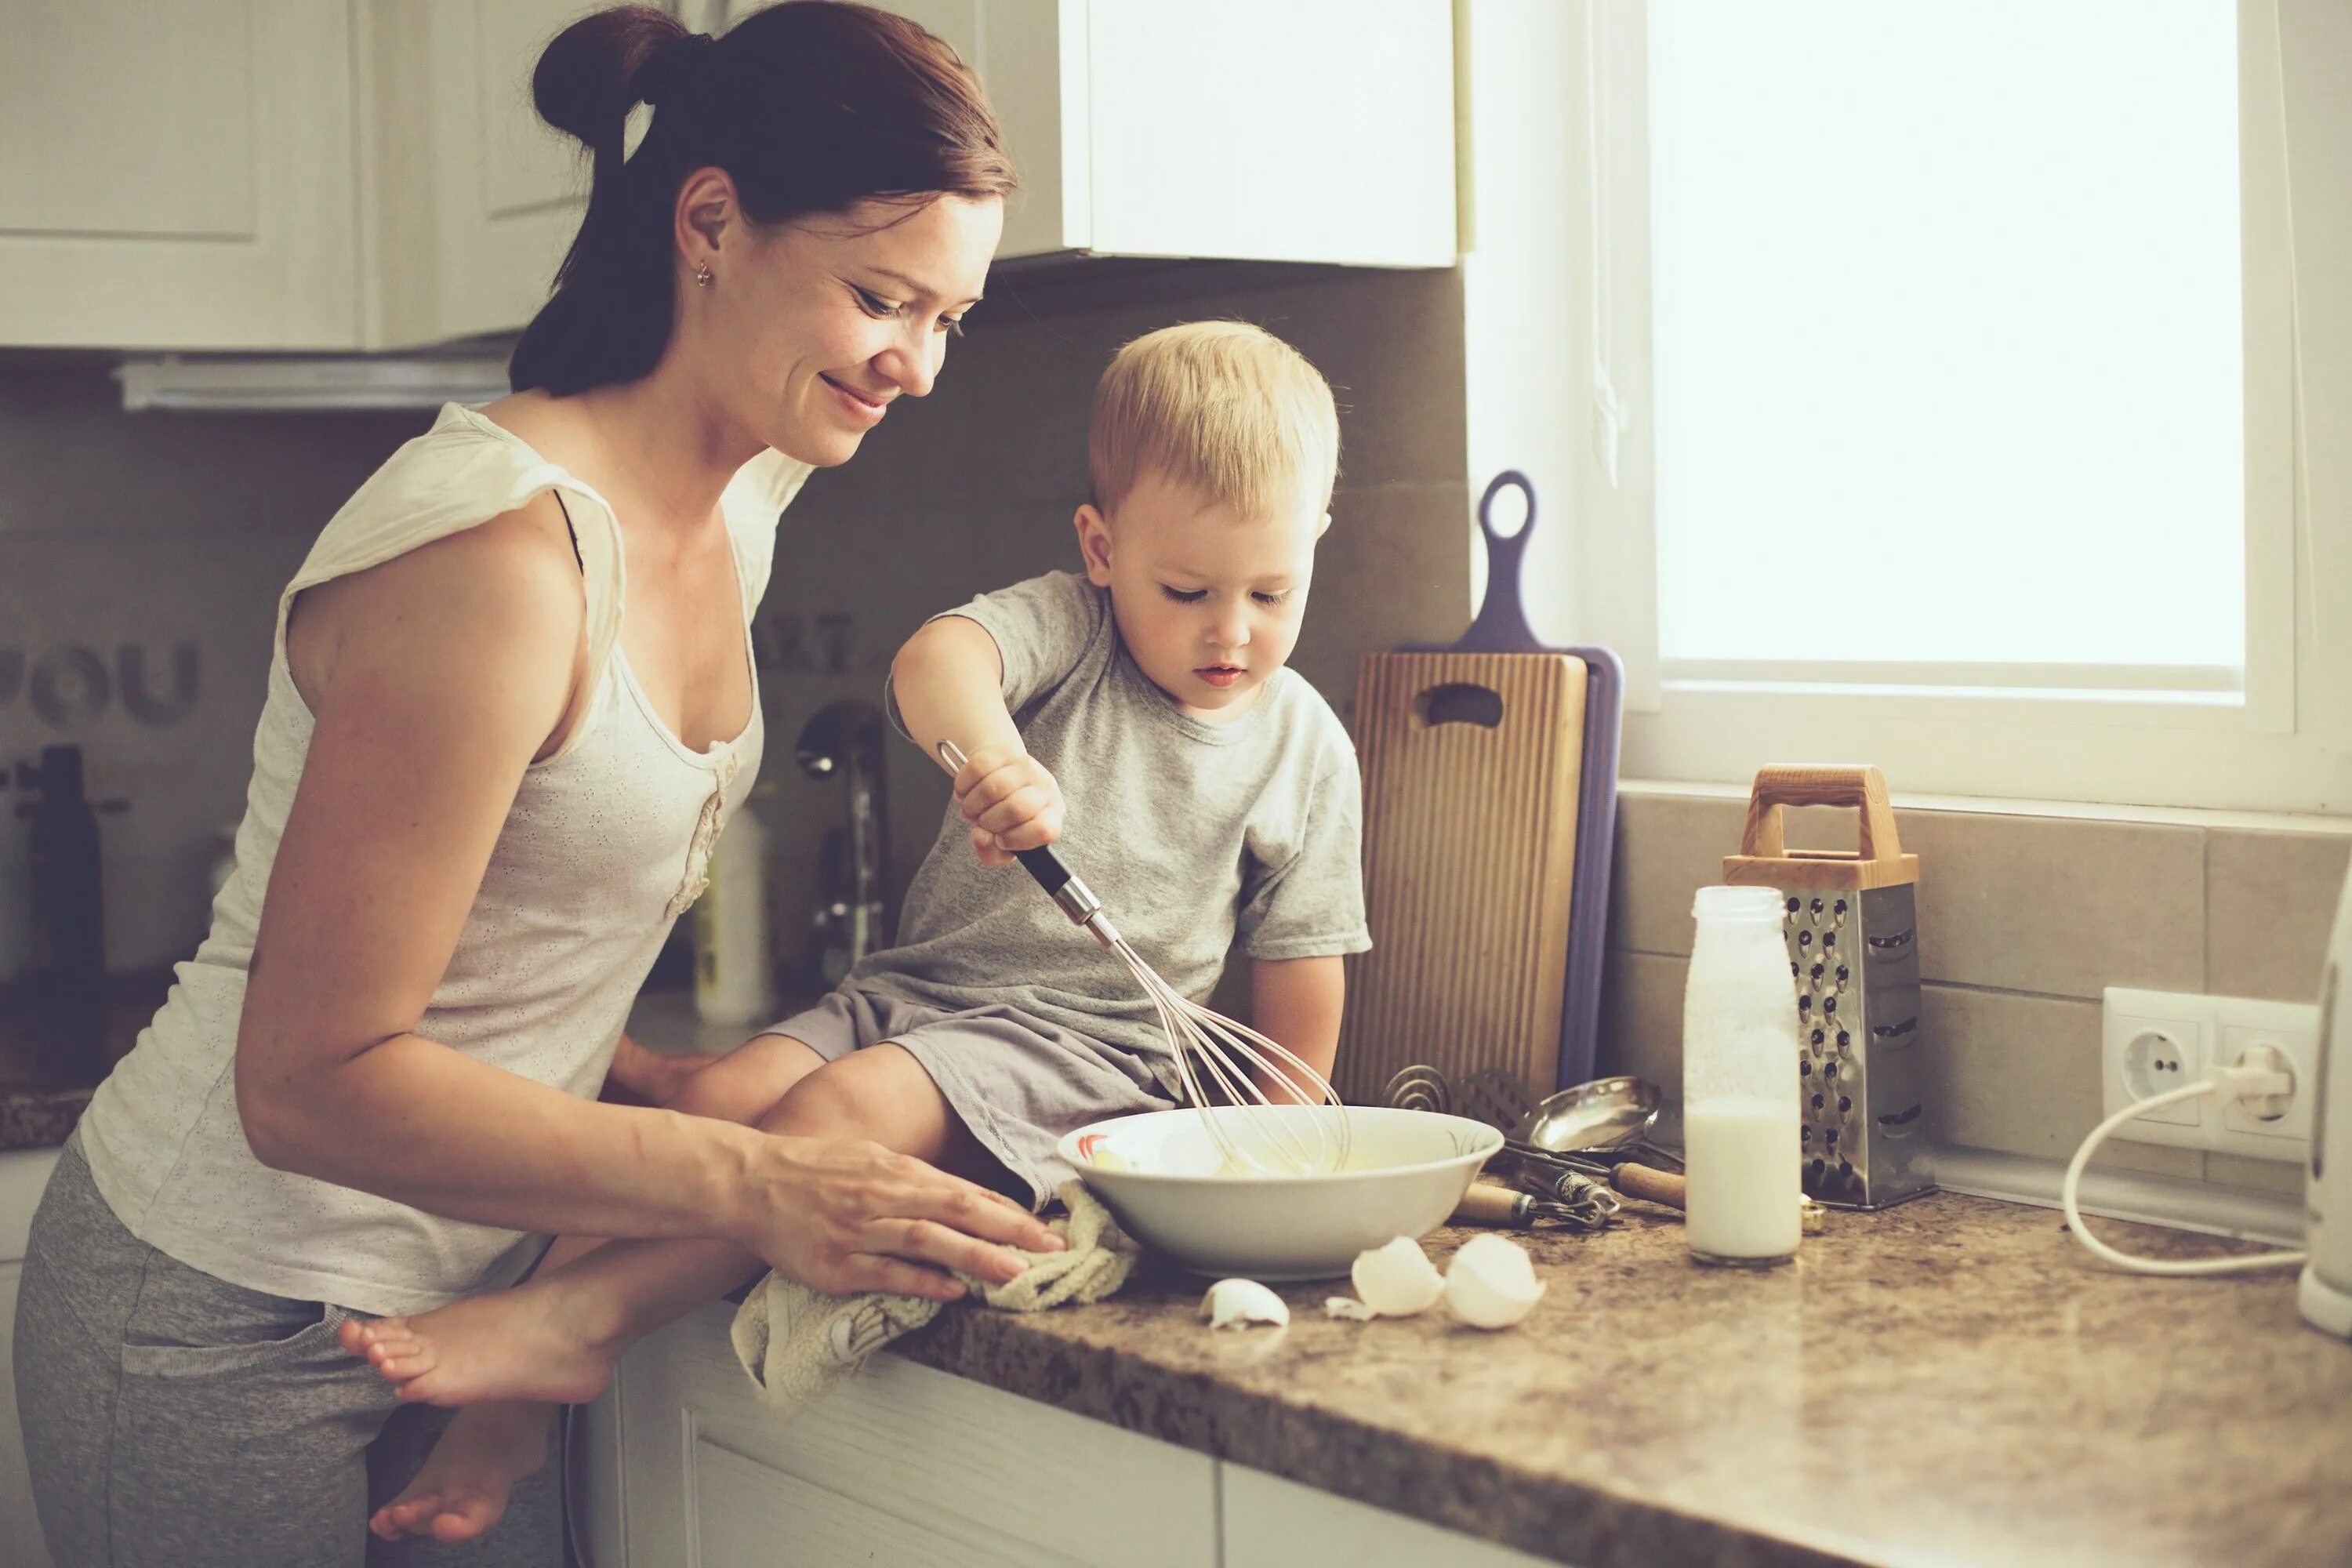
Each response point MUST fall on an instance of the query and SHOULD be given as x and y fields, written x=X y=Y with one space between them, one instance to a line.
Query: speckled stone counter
x=1952 y=1382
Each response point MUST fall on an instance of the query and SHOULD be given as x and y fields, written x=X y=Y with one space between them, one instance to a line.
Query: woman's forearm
x=415 y=1121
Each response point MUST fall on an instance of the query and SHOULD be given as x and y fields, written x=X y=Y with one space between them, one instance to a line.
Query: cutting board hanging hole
x=1458 y=702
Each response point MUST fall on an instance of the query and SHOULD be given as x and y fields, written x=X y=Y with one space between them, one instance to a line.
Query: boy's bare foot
x=462 y=1490
x=546 y=1340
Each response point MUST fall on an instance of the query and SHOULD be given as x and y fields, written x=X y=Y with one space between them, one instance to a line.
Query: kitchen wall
x=142 y=555
x=974 y=487
x=2023 y=920
x=140 y=559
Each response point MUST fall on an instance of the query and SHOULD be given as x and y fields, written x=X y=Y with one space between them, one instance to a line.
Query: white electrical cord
x=2234 y=1083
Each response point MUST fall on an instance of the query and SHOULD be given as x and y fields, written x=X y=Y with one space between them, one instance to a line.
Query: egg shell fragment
x=1491 y=1283
x=1238 y=1303
x=1397 y=1281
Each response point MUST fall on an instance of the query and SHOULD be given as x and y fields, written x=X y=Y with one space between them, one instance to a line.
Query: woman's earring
x=702 y=275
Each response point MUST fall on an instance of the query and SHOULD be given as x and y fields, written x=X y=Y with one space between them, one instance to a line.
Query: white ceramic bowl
x=1405 y=1172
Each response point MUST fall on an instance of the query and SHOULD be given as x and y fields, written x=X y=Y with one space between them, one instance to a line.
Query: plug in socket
x=2290 y=1028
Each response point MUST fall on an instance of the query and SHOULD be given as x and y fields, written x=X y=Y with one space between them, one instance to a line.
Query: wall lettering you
x=72 y=686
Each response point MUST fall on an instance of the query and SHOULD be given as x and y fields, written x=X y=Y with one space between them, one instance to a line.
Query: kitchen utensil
x=1492 y=1096
x=2324 y=1291
x=1490 y=781
x=1164 y=1174
x=1853 y=933
x=1547 y=1145
x=1607 y=1114
x=1204 y=1042
x=1489 y=1203
x=1419 y=1088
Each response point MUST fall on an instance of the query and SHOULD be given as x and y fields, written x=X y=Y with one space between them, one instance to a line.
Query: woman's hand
x=1011 y=801
x=845 y=1215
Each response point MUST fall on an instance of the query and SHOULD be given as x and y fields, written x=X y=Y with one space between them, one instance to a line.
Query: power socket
x=2152 y=1040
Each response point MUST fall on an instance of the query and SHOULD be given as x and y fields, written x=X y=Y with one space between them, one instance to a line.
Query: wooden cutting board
x=1472 y=766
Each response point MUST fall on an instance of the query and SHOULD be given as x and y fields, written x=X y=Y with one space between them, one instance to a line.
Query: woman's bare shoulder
x=500 y=599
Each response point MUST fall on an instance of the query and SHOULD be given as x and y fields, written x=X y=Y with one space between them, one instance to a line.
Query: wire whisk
x=1250 y=1128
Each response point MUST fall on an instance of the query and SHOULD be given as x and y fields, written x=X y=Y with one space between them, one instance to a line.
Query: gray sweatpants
x=174 y=1419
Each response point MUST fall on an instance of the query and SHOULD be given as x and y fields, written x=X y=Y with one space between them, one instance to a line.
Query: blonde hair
x=1224 y=408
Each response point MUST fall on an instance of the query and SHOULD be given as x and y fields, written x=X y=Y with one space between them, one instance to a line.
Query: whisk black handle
x=1046 y=866
x=1063 y=886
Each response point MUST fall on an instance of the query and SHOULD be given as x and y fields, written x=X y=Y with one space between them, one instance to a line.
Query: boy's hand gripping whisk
x=1292 y=1137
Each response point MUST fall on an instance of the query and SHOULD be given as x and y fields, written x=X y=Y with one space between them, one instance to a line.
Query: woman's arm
x=433 y=682
x=1297 y=1003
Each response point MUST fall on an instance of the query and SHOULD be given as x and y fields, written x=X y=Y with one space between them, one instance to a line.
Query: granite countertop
x=52 y=1056
x=1954 y=1381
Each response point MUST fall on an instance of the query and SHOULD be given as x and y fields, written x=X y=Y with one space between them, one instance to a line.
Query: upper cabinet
x=267 y=174
x=1243 y=130
x=177 y=176
x=471 y=198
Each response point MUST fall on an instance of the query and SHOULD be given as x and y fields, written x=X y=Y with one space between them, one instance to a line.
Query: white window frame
x=2146 y=737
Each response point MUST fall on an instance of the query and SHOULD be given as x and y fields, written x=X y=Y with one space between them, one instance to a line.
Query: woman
x=510 y=706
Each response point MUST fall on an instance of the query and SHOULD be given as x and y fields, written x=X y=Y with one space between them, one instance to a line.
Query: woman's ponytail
x=811 y=106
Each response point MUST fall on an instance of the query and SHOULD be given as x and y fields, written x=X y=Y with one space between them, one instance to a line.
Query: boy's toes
x=358 y=1333
x=465 y=1518
x=407 y=1516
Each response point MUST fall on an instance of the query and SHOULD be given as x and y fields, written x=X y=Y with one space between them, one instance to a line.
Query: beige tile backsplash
x=2023 y=920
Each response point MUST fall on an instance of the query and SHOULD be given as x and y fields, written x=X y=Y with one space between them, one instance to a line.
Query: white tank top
x=608 y=841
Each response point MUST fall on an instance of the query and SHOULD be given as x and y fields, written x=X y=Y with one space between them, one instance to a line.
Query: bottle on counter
x=1739 y=1082
x=734 y=957
x=68 y=957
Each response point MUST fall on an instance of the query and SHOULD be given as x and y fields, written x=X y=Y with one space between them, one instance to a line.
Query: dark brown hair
x=811 y=106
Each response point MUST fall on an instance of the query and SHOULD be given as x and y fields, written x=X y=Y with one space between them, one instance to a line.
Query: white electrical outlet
x=2154 y=1040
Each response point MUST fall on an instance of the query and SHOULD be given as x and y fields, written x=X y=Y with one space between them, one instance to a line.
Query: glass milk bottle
x=1739 y=1082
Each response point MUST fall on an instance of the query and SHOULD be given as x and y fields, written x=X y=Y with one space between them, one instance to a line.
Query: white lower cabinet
x=680 y=1466
x=23 y=1174
x=903 y=1465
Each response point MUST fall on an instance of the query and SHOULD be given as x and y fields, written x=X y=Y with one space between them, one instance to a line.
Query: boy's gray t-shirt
x=1189 y=832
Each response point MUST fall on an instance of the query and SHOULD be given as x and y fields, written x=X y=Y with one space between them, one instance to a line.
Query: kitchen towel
x=797 y=1343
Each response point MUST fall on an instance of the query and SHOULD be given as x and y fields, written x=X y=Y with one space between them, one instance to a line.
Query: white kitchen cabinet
x=23 y=1174
x=469 y=198
x=1242 y=130
x=295 y=175
x=1269 y=1523
x=179 y=176
x=903 y=1465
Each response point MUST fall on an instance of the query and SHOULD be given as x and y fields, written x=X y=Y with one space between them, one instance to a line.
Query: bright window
x=1947 y=342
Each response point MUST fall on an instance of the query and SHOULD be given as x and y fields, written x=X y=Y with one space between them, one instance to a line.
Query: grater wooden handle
x=1860 y=785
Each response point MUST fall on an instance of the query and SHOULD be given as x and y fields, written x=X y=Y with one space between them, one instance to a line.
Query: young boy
x=1140 y=719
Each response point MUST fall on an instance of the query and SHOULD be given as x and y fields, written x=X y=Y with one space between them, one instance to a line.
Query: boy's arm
x=948 y=681
x=1296 y=1002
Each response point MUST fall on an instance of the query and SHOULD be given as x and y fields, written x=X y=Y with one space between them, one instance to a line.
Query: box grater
x=1854 y=945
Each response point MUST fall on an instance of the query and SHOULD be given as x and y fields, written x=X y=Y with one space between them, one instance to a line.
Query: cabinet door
x=1272 y=1524
x=177 y=176
x=20 y=1529
x=901 y=1465
x=1031 y=57
x=473 y=199
x=1272 y=130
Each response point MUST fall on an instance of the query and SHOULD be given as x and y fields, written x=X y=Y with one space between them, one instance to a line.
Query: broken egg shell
x=1491 y=1283
x=1238 y=1303
x=1397 y=1281
x=1349 y=1308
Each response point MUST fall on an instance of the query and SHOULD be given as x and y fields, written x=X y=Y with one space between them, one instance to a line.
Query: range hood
x=308 y=383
